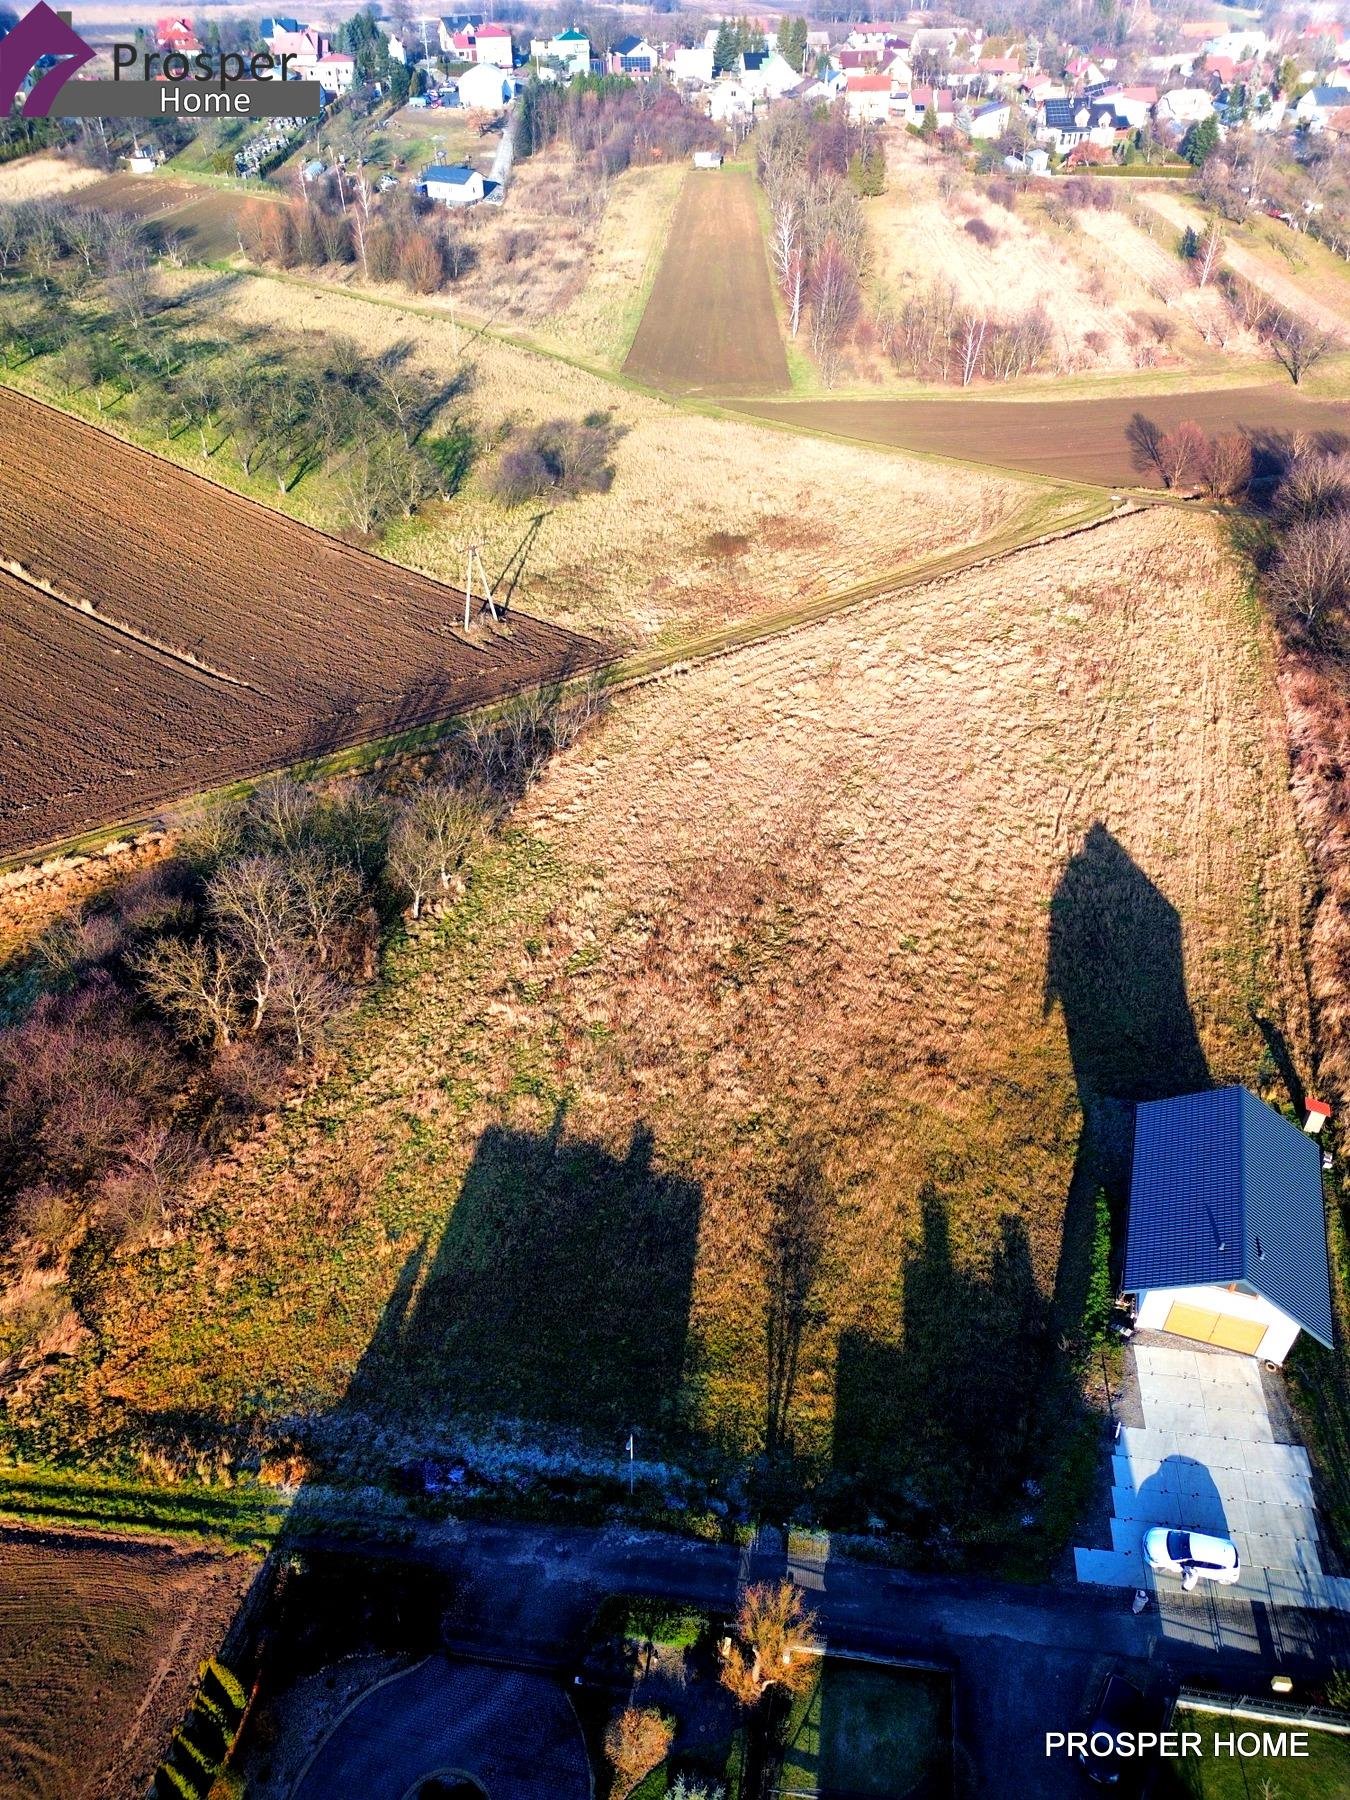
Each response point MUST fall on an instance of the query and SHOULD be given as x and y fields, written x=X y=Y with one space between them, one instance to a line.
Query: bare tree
x=253 y=903
x=1298 y=345
x=196 y=986
x=1209 y=253
x=1310 y=578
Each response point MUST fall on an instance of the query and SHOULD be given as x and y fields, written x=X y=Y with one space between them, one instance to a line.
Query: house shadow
x=558 y=1293
x=934 y=1428
x=1115 y=968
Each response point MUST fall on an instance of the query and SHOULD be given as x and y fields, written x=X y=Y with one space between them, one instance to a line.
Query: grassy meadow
x=707 y=522
x=740 y=1102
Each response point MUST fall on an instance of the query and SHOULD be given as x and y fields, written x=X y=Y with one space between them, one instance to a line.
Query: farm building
x=453 y=185
x=484 y=88
x=707 y=159
x=1227 y=1236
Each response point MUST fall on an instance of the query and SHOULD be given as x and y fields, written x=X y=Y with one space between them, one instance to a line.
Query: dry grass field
x=44 y=178
x=99 y=1648
x=1119 y=298
x=598 y=323
x=1252 y=255
x=739 y=1099
x=707 y=521
x=709 y=325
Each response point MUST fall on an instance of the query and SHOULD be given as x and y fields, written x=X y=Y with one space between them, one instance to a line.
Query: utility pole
x=474 y=566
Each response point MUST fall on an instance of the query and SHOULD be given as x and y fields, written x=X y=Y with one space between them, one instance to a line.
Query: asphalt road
x=1026 y=1660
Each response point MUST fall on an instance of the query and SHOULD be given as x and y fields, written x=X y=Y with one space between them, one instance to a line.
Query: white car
x=1192 y=1555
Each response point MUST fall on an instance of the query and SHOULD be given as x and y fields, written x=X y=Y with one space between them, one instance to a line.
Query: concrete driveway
x=1206 y=1459
x=513 y=1733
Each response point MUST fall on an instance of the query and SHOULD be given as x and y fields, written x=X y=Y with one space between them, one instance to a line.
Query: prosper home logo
x=227 y=85
x=38 y=35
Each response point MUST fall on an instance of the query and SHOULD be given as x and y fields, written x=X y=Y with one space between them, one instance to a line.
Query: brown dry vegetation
x=1119 y=298
x=100 y=1645
x=773 y=1016
x=707 y=520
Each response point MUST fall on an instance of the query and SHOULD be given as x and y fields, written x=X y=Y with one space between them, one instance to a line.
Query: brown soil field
x=709 y=326
x=204 y=218
x=1075 y=440
x=909 y=890
x=99 y=1649
x=268 y=641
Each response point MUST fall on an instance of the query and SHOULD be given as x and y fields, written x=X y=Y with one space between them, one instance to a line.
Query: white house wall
x=1281 y=1330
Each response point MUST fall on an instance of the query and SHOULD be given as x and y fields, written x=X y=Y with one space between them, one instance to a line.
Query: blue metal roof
x=1224 y=1189
x=455 y=175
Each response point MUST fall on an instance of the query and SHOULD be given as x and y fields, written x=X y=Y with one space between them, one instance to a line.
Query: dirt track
x=1075 y=440
x=709 y=326
x=313 y=644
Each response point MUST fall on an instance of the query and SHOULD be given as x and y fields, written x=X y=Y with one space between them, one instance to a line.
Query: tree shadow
x=504 y=587
x=795 y=1245
x=1115 y=967
x=939 y=1422
x=559 y=1293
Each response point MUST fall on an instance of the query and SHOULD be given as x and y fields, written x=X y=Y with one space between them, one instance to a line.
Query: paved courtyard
x=1206 y=1459
x=513 y=1734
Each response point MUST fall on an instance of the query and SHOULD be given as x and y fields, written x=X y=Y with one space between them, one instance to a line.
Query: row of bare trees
x=818 y=241
x=1186 y=456
x=169 y=1011
x=939 y=337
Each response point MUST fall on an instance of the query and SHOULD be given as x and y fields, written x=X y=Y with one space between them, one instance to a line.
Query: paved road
x=1026 y=1660
x=515 y=1734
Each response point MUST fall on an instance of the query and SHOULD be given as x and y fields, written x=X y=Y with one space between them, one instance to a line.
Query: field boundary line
x=85 y=609
x=624 y=670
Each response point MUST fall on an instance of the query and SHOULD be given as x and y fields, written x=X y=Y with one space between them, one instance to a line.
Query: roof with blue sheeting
x=1224 y=1189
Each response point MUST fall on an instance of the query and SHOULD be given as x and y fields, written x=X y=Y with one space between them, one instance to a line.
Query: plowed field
x=709 y=326
x=204 y=636
x=99 y=1647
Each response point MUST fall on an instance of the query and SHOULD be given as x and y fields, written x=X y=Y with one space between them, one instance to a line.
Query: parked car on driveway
x=1121 y=1710
x=1193 y=1555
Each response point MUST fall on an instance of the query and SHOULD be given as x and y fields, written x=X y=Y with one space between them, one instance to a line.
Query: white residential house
x=1318 y=104
x=1227 y=1238
x=767 y=74
x=990 y=121
x=693 y=66
x=492 y=44
x=899 y=68
x=1128 y=106
x=632 y=55
x=485 y=87
x=572 y=48
x=729 y=99
x=868 y=97
x=1184 y=106
x=1239 y=45
x=335 y=72
x=453 y=184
